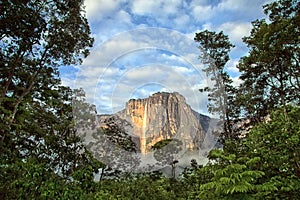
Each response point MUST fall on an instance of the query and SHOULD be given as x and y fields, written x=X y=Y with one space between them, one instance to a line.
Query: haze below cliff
x=151 y=133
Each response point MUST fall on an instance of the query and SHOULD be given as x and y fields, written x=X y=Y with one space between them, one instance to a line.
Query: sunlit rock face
x=163 y=116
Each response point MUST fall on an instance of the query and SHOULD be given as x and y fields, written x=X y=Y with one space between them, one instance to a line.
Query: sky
x=146 y=46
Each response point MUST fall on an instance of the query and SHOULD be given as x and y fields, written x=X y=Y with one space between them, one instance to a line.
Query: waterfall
x=144 y=129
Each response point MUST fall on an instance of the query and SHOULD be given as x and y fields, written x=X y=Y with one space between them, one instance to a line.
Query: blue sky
x=145 y=46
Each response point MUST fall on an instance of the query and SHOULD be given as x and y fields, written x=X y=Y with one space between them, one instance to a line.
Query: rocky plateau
x=160 y=117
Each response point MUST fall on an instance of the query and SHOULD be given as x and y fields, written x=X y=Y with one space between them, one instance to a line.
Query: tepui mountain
x=160 y=117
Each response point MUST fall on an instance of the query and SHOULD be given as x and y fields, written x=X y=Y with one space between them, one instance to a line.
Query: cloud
x=97 y=10
x=67 y=81
x=147 y=79
x=236 y=30
x=141 y=61
x=203 y=13
x=182 y=20
x=236 y=81
x=141 y=7
x=247 y=8
x=231 y=67
x=172 y=6
x=123 y=16
x=130 y=59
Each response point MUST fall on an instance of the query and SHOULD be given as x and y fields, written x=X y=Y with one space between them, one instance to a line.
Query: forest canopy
x=43 y=157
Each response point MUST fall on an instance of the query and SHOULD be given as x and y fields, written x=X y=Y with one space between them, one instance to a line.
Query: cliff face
x=162 y=116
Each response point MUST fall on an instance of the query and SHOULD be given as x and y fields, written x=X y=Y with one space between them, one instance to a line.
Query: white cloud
x=171 y=6
x=67 y=81
x=182 y=70
x=236 y=30
x=236 y=81
x=142 y=67
x=241 y=6
x=142 y=80
x=145 y=73
x=231 y=67
x=235 y=5
x=135 y=63
x=155 y=7
x=203 y=13
x=142 y=7
x=182 y=20
x=119 y=65
x=123 y=16
x=194 y=3
x=98 y=9
x=111 y=50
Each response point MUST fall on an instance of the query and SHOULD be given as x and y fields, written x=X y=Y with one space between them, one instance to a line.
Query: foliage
x=215 y=48
x=165 y=152
x=42 y=156
x=265 y=164
x=30 y=179
x=39 y=144
x=84 y=114
x=36 y=112
x=118 y=136
x=232 y=178
x=271 y=70
x=277 y=144
x=142 y=186
x=36 y=38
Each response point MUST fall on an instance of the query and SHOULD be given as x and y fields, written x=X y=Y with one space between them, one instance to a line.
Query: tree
x=150 y=185
x=36 y=38
x=47 y=149
x=264 y=165
x=271 y=71
x=116 y=133
x=233 y=177
x=276 y=143
x=35 y=110
x=215 y=48
x=166 y=153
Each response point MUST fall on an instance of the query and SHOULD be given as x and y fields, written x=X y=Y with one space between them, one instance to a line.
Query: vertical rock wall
x=163 y=116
